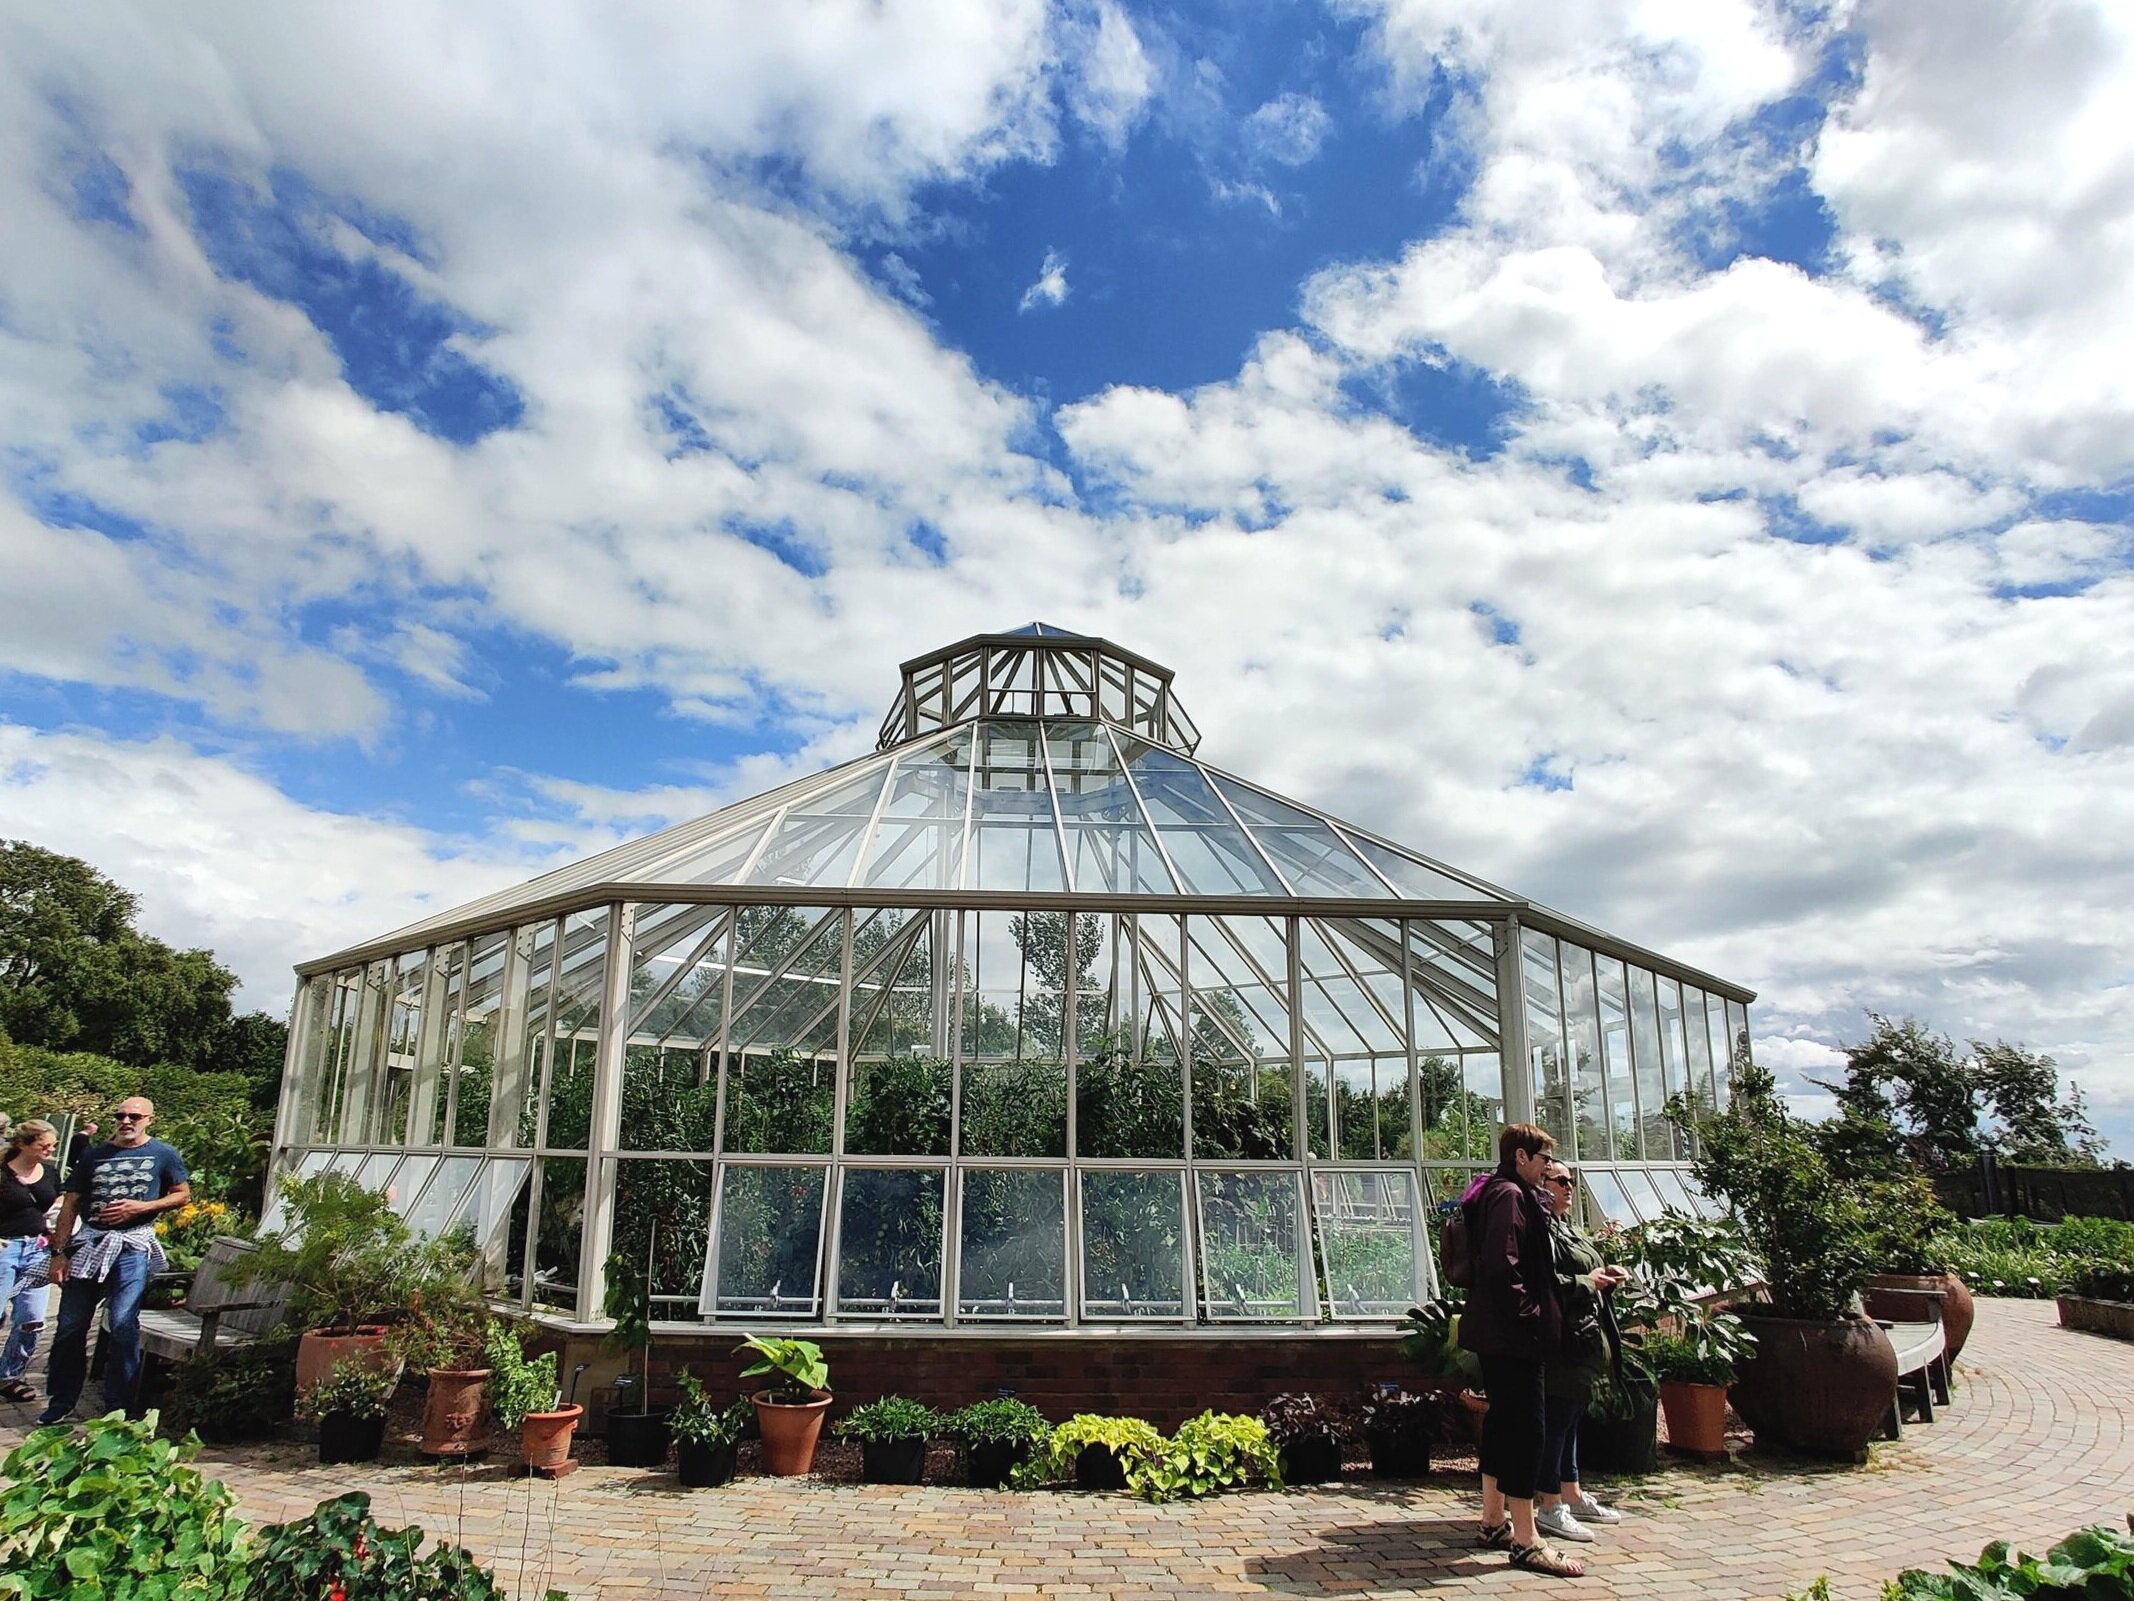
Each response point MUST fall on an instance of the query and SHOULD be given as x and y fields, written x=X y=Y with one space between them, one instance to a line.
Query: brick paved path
x=2036 y=1444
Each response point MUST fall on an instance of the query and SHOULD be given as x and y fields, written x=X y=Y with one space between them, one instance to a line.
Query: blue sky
x=1676 y=465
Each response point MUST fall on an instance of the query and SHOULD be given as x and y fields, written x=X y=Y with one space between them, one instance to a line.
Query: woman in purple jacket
x=1512 y=1322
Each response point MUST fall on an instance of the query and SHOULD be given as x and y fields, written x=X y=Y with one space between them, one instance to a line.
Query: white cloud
x=1110 y=79
x=1288 y=129
x=1050 y=286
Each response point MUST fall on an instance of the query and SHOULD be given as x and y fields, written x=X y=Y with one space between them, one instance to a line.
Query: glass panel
x=779 y=1104
x=336 y=1047
x=786 y=987
x=819 y=840
x=1738 y=1049
x=572 y=1014
x=663 y=1224
x=474 y=1067
x=439 y=1040
x=1605 y=1191
x=1671 y=1064
x=1210 y=852
x=1456 y=1123
x=522 y=1050
x=899 y=1108
x=1640 y=1189
x=344 y=1161
x=1659 y=1137
x=900 y=1002
x=1700 y=1047
x=1315 y=859
x=1582 y=1027
x=1367 y=1241
x=403 y=1035
x=668 y=1104
x=1551 y=1086
x=889 y=1242
x=487 y=1206
x=431 y=1212
x=769 y=1246
x=1014 y=1109
x=1614 y=996
x=1109 y=847
x=375 y=1171
x=720 y=860
x=313 y=1163
x=678 y=957
x=1412 y=877
x=558 y=1245
x=408 y=1182
x=1483 y=1073
x=1012 y=1253
x=1133 y=1258
x=1250 y=1239
x=316 y=1017
x=1700 y=1203
x=1014 y=840
x=1669 y=1183
x=1243 y=1088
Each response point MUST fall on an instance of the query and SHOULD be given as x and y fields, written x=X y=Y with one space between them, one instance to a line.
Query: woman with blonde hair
x=29 y=1184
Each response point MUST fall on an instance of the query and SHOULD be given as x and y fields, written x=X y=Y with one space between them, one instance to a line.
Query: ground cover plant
x=2093 y=1564
x=2016 y=1257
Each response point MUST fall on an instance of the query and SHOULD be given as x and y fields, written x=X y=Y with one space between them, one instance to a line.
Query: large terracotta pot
x=790 y=1430
x=1822 y=1388
x=1696 y=1417
x=455 y=1420
x=545 y=1437
x=317 y=1353
x=1958 y=1308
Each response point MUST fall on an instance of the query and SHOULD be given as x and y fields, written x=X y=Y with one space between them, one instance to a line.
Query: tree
x=2038 y=1125
x=1914 y=1083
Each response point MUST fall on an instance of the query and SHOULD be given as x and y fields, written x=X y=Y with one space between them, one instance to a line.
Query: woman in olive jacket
x=1583 y=1279
x=1512 y=1322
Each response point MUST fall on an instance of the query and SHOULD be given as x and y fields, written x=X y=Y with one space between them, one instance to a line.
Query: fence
x=2042 y=1194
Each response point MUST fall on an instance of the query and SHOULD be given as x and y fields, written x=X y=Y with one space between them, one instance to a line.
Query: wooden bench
x=1912 y=1320
x=219 y=1314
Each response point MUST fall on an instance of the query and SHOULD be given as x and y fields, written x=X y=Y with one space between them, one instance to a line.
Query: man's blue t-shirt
x=145 y=1172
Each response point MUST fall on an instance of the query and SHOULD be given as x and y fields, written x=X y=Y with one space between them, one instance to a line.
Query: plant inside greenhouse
x=1029 y=1018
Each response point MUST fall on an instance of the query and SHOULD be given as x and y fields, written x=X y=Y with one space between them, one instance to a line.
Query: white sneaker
x=1558 y=1521
x=1589 y=1510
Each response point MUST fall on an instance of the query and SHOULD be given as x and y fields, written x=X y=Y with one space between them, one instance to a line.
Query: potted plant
x=445 y=1337
x=1101 y=1452
x=1914 y=1250
x=1309 y=1434
x=705 y=1435
x=1620 y=1432
x=1430 y=1338
x=892 y=1433
x=996 y=1437
x=1694 y=1365
x=636 y=1438
x=1401 y=1430
x=349 y=1405
x=348 y=1261
x=523 y=1396
x=789 y=1413
x=1821 y=1377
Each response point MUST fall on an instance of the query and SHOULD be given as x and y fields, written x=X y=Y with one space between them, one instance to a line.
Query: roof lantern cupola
x=1038 y=673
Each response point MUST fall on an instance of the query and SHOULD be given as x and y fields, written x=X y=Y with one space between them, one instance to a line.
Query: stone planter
x=2115 y=1318
x=1959 y=1309
x=790 y=1430
x=455 y=1416
x=1822 y=1388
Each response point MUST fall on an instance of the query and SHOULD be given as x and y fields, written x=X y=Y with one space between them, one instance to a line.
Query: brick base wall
x=1163 y=1380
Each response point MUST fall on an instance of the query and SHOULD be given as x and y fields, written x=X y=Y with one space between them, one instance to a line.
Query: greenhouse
x=1029 y=1020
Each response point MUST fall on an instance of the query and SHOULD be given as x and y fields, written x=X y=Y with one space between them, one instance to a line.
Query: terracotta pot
x=455 y=1416
x=1823 y=1388
x=1959 y=1310
x=545 y=1437
x=790 y=1430
x=1696 y=1416
x=316 y=1354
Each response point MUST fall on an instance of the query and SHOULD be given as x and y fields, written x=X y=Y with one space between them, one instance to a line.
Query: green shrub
x=341 y=1550
x=114 y=1514
x=893 y=1417
x=240 y=1393
x=698 y=1420
x=1215 y=1451
x=2015 y=1257
x=347 y=1257
x=517 y=1386
x=351 y=1390
x=2096 y=1564
x=1000 y=1421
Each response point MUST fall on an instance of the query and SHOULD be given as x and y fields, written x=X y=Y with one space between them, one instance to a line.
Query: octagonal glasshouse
x=1029 y=1021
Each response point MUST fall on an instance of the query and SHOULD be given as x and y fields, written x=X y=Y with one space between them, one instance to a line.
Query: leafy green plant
x=2094 y=1564
x=2105 y=1281
x=240 y=1393
x=347 y=1257
x=446 y=1330
x=1290 y=1418
x=1430 y=1338
x=351 y=1390
x=799 y=1362
x=893 y=1417
x=1215 y=1451
x=1417 y=1420
x=1697 y=1254
x=628 y=1300
x=517 y=1386
x=698 y=1420
x=2016 y=1257
x=1003 y=1420
x=1132 y=1440
x=1678 y=1360
x=340 y=1551
x=114 y=1514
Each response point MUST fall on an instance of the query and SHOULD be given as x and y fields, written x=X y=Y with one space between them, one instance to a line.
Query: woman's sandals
x=1541 y=1557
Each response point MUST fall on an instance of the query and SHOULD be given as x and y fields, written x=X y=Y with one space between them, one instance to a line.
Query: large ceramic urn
x=1824 y=1388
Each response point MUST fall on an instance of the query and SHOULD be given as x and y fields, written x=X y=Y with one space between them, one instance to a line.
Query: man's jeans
x=26 y=1315
x=79 y=1299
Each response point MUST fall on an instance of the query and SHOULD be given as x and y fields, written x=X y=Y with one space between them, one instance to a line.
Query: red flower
x=336 y=1593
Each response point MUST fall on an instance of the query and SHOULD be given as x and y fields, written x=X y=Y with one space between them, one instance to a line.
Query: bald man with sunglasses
x=104 y=1248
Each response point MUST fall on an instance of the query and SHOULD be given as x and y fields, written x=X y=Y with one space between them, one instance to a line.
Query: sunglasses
x=128 y=1117
x=1562 y=1184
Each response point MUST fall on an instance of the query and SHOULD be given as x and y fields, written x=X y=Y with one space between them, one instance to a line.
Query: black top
x=23 y=1206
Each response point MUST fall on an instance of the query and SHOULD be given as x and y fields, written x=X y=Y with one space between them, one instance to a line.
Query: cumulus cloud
x=1050 y=286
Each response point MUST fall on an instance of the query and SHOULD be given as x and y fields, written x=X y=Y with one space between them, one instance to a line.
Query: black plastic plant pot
x=346 y=1439
x=892 y=1461
x=702 y=1467
x=993 y=1461
x=1398 y=1454
x=1097 y=1467
x=1622 y=1445
x=637 y=1439
x=1312 y=1459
